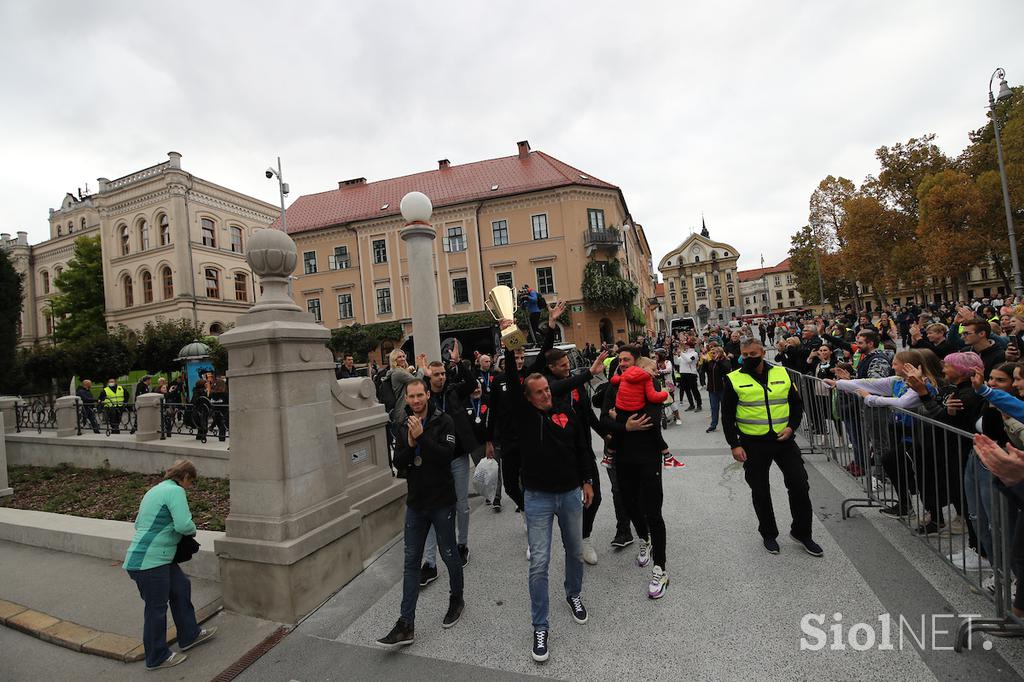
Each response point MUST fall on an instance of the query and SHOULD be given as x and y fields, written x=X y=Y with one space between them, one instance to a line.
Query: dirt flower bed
x=107 y=493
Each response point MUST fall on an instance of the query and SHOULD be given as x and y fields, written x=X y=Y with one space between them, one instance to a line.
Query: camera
x=270 y=173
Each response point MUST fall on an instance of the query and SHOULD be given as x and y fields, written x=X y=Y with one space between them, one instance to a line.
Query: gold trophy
x=501 y=304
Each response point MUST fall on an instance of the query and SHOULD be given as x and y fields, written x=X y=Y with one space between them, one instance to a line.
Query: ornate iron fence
x=200 y=419
x=35 y=412
x=109 y=419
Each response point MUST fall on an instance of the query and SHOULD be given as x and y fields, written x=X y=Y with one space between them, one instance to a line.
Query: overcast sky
x=733 y=109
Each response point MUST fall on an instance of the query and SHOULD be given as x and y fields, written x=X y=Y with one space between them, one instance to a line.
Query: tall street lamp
x=1004 y=94
x=283 y=188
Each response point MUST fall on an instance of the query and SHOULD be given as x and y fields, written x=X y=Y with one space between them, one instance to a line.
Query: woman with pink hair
x=958 y=406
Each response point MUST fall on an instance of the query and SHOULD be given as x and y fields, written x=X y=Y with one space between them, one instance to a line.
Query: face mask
x=751 y=363
x=111 y=385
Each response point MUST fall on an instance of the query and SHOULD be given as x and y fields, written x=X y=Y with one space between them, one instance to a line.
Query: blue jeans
x=541 y=509
x=715 y=398
x=159 y=586
x=417 y=523
x=978 y=485
x=460 y=472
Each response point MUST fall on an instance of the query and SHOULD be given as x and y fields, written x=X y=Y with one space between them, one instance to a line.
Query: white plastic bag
x=485 y=478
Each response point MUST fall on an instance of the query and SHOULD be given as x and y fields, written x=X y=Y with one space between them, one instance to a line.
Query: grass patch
x=108 y=493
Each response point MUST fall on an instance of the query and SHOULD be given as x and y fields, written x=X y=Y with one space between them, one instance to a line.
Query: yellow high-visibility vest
x=113 y=398
x=761 y=409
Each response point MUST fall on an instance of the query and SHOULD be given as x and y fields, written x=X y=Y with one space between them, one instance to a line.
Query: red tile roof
x=757 y=273
x=659 y=289
x=445 y=187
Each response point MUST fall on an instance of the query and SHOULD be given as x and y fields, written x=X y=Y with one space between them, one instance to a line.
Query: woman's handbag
x=187 y=546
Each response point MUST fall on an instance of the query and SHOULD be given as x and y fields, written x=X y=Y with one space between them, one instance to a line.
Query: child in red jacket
x=636 y=388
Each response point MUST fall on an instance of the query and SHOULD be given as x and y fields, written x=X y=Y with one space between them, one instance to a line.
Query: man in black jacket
x=556 y=483
x=424 y=447
x=84 y=392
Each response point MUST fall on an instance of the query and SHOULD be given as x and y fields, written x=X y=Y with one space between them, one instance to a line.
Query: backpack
x=385 y=392
x=597 y=397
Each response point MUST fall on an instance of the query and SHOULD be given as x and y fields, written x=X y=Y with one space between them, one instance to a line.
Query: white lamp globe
x=416 y=207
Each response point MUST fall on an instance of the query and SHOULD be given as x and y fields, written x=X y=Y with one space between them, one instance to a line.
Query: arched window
x=209 y=233
x=147 y=287
x=236 y=239
x=46 y=282
x=71 y=227
x=82 y=225
x=56 y=273
x=144 y=234
x=60 y=230
x=126 y=239
x=168 y=282
x=241 y=287
x=165 y=229
x=696 y=259
x=129 y=294
x=212 y=283
x=216 y=328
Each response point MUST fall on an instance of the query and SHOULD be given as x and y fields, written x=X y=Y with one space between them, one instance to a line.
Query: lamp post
x=1004 y=94
x=283 y=189
x=419 y=236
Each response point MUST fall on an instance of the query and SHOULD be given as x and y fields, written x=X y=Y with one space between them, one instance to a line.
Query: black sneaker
x=897 y=511
x=699 y=409
x=428 y=574
x=496 y=507
x=579 y=612
x=689 y=409
x=622 y=540
x=455 y=608
x=464 y=554
x=931 y=529
x=771 y=545
x=810 y=546
x=540 y=645
x=401 y=635
x=709 y=429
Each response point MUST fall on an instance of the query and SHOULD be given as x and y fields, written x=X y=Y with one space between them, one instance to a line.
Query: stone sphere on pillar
x=416 y=207
x=271 y=253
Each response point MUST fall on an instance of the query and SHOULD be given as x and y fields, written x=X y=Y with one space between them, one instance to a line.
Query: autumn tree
x=951 y=209
x=805 y=256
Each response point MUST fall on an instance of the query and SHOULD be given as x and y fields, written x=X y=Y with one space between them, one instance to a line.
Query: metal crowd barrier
x=200 y=419
x=925 y=474
x=107 y=419
x=36 y=412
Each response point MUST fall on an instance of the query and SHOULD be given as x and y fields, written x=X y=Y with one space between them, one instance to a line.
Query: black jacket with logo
x=427 y=468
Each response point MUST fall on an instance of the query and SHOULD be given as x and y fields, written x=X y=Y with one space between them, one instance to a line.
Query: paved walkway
x=731 y=612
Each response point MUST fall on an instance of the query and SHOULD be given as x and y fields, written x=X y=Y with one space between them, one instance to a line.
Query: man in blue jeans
x=424 y=447
x=556 y=484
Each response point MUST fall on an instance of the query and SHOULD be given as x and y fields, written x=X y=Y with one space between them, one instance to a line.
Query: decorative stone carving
x=272 y=256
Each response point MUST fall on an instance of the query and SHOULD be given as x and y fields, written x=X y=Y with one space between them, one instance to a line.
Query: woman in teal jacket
x=163 y=519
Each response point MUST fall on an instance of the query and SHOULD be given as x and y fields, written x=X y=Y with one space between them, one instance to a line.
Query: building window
x=778 y=281
x=499 y=229
x=789 y=279
x=715 y=278
x=168 y=282
x=383 y=301
x=545 y=281
x=212 y=283
x=380 y=254
x=540 y=226
x=165 y=230
x=732 y=302
x=673 y=310
x=699 y=282
x=339 y=261
x=313 y=308
x=46 y=282
x=126 y=238
x=456 y=240
x=792 y=294
x=236 y=240
x=671 y=285
x=686 y=308
x=345 y=307
x=144 y=234
x=595 y=219
x=129 y=294
x=460 y=291
x=60 y=230
x=241 y=287
x=309 y=262
x=505 y=279
x=984 y=273
x=209 y=233
x=778 y=295
x=672 y=297
x=147 y=287
x=728 y=275
x=49 y=324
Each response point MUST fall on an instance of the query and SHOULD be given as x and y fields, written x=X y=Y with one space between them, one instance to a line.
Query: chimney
x=351 y=183
x=444 y=164
x=23 y=238
x=174 y=160
x=524 y=149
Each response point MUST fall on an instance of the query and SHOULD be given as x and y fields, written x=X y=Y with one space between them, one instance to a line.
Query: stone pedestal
x=308 y=472
x=10 y=419
x=66 y=409
x=5 y=487
x=419 y=236
x=147 y=406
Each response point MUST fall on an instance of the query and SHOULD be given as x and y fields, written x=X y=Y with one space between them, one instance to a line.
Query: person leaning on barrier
x=84 y=392
x=761 y=410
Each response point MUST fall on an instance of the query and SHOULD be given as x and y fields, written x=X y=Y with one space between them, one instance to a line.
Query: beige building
x=172 y=248
x=522 y=219
x=770 y=290
x=701 y=281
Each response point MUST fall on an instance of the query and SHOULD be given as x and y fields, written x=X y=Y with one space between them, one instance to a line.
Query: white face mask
x=111 y=385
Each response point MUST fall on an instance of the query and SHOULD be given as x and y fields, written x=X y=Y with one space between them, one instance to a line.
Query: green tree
x=804 y=256
x=98 y=357
x=12 y=293
x=160 y=342
x=78 y=306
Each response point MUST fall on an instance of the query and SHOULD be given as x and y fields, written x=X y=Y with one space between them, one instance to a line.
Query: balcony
x=610 y=239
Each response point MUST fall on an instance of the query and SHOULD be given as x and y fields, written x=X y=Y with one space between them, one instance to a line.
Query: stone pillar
x=67 y=415
x=147 y=406
x=419 y=237
x=10 y=419
x=303 y=492
x=5 y=487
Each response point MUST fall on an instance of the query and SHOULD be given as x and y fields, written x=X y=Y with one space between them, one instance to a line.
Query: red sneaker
x=855 y=470
x=672 y=463
x=607 y=461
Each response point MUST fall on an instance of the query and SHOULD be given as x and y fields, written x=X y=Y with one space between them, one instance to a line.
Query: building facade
x=701 y=280
x=771 y=290
x=524 y=219
x=172 y=244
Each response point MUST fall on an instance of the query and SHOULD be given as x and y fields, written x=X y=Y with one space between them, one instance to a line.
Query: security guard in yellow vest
x=112 y=396
x=761 y=409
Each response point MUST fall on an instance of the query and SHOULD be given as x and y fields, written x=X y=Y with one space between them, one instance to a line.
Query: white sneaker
x=644 y=556
x=527 y=552
x=589 y=553
x=659 y=583
x=969 y=558
x=678 y=421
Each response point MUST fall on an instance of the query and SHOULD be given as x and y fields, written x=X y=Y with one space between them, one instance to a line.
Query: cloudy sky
x=733 y=109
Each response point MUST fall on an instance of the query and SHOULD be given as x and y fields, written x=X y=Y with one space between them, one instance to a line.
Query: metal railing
x=924 y=473
x=35 y=412
x=602 y=238
x=201 y=419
